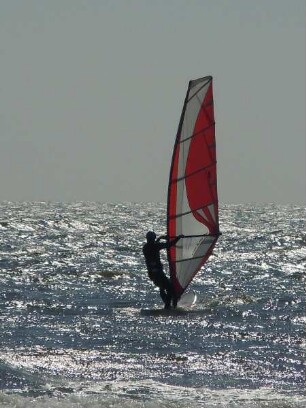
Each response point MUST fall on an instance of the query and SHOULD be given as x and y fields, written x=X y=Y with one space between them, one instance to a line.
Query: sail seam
x=202 y=235
x=194 y=82
x=190 y=212
x=193 y=173
x=189 y=259
x=199 y=133
x=195 y=94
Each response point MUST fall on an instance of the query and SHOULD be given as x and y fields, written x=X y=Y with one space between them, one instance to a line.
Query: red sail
x=192 y=194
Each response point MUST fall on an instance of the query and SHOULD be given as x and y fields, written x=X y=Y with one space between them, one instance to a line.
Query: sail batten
x=190 y=212
x=199 y=133
x=192 y=174
x=189 y=259
x=192 y=208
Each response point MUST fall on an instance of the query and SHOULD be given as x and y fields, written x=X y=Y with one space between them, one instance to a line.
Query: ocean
x=76 y=327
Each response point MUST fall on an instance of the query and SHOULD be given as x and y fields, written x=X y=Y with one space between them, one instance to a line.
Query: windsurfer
x=155 y=268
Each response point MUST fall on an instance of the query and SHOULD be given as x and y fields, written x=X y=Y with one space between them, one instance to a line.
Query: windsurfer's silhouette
x=155 y=268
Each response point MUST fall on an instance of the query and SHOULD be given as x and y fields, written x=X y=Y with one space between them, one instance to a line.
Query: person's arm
x=175 y=240
x=168 y=244
x=162 y=237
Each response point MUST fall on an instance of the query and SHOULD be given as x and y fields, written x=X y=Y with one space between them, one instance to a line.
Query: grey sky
x=91 y=94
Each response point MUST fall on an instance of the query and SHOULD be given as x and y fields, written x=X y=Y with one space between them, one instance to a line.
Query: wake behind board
x=187 y=300
x=186 y=303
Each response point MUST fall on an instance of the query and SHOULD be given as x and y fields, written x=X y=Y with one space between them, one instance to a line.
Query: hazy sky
x=91 y=92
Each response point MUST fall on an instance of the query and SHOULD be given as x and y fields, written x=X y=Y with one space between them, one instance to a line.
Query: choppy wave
x=165 y=397
x=74 y=285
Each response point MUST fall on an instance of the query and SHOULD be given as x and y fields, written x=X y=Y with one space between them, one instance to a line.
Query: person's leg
x=165 y=288
x=159 y=282
x=171 y=293
x=165 y=297
x=168 y=290
x=174 y=300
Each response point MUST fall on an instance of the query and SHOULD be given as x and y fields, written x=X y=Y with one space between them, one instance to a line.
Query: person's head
x=151 y=236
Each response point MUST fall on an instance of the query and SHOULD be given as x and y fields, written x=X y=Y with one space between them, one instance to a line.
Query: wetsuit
x=155 y=269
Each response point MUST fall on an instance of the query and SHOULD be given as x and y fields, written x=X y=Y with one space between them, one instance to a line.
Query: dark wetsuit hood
x=151 y=236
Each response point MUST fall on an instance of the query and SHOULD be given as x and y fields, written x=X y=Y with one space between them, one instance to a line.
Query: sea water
x=74 y=288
